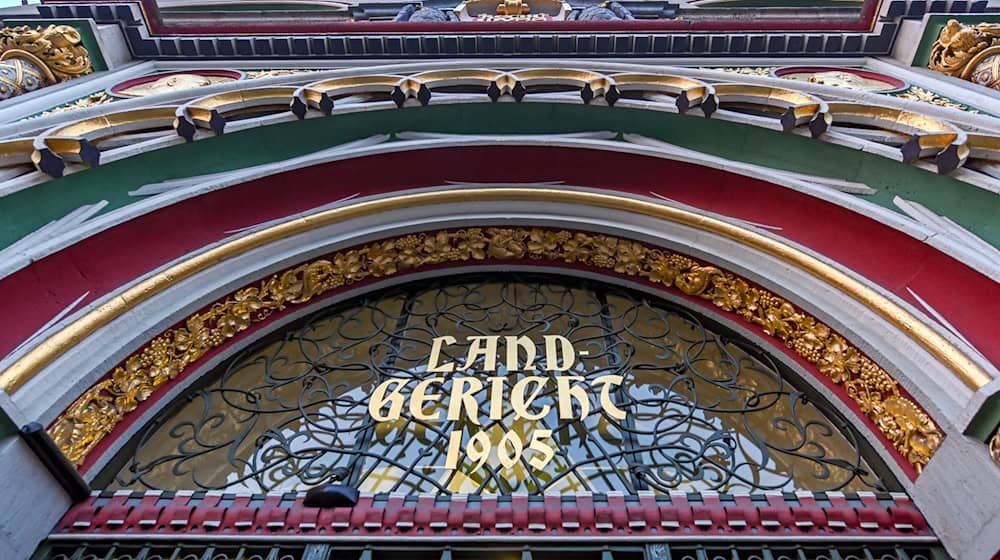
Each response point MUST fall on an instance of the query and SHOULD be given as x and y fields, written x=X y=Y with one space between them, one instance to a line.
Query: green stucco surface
x=32 y=208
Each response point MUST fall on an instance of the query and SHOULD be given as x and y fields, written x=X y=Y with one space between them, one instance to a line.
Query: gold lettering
x=464 y=397
x=485 y=346
x=432 y=363
x=572 y=397
x=520 y=402
x=454 y=443
x=379 y=401
x=554 y=346
x=514 y=345
x=496 y=397
x=567 y=393
x=420 y=396
x=605 y=382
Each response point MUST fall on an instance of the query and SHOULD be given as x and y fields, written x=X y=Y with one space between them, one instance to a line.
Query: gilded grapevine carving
x=98 y=411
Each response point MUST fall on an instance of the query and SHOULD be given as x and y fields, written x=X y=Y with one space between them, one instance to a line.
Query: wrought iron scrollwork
x=705 y=410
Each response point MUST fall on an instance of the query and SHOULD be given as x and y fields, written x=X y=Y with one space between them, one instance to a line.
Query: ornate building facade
x=647 y=280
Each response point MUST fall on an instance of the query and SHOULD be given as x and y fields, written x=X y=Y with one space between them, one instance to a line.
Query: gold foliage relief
x=926 y=96
x=970 y=52
x=98 y=411
x=58 y=47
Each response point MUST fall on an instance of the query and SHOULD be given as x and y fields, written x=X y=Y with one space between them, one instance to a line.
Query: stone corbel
x=969 y=52
x=31 y=59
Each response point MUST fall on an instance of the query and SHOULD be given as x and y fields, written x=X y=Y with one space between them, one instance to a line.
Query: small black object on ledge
x=332 y=494
x=55 y=462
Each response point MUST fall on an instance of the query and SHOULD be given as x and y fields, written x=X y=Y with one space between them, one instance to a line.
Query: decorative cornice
x=790 y=108
x=150 y=38
x=905 y=427
x=783 y=518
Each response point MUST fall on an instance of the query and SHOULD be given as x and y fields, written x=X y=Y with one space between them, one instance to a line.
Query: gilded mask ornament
x=969 y=52
x=513 y=8
x=846 y=80
x=171 y=83
x=503 y=10
x=33 y=58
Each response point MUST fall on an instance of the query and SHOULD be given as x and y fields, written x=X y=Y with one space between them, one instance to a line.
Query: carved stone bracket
x=34 y=58
x=969 y=52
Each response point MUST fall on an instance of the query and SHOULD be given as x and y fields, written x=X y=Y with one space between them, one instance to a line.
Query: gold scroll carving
x=57 y=47
x=969 y=52
x=97 y=412
x=33 y=58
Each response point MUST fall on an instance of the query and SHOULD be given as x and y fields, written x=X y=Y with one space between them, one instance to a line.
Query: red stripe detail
x=894 y=260
x=529 y=518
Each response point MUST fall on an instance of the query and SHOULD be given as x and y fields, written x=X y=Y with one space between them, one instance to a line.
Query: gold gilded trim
x=945 y=140
x=42 y=355
x=15 y=152
x=21 y=371
x=98 y=411
x=117 y=122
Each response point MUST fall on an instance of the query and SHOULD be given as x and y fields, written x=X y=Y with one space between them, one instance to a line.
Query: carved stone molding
x=34 y=58
x=969 y=52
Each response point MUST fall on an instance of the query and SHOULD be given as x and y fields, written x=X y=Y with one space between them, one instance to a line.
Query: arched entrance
x=575 y=386
x=184 y=273
x=494 y=414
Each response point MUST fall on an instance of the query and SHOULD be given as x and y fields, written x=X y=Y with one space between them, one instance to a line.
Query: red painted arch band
x=108 y=260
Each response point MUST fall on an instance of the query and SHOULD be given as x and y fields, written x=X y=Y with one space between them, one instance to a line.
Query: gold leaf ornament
x=96 y=413
x=969 y=52
x=58 y=48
